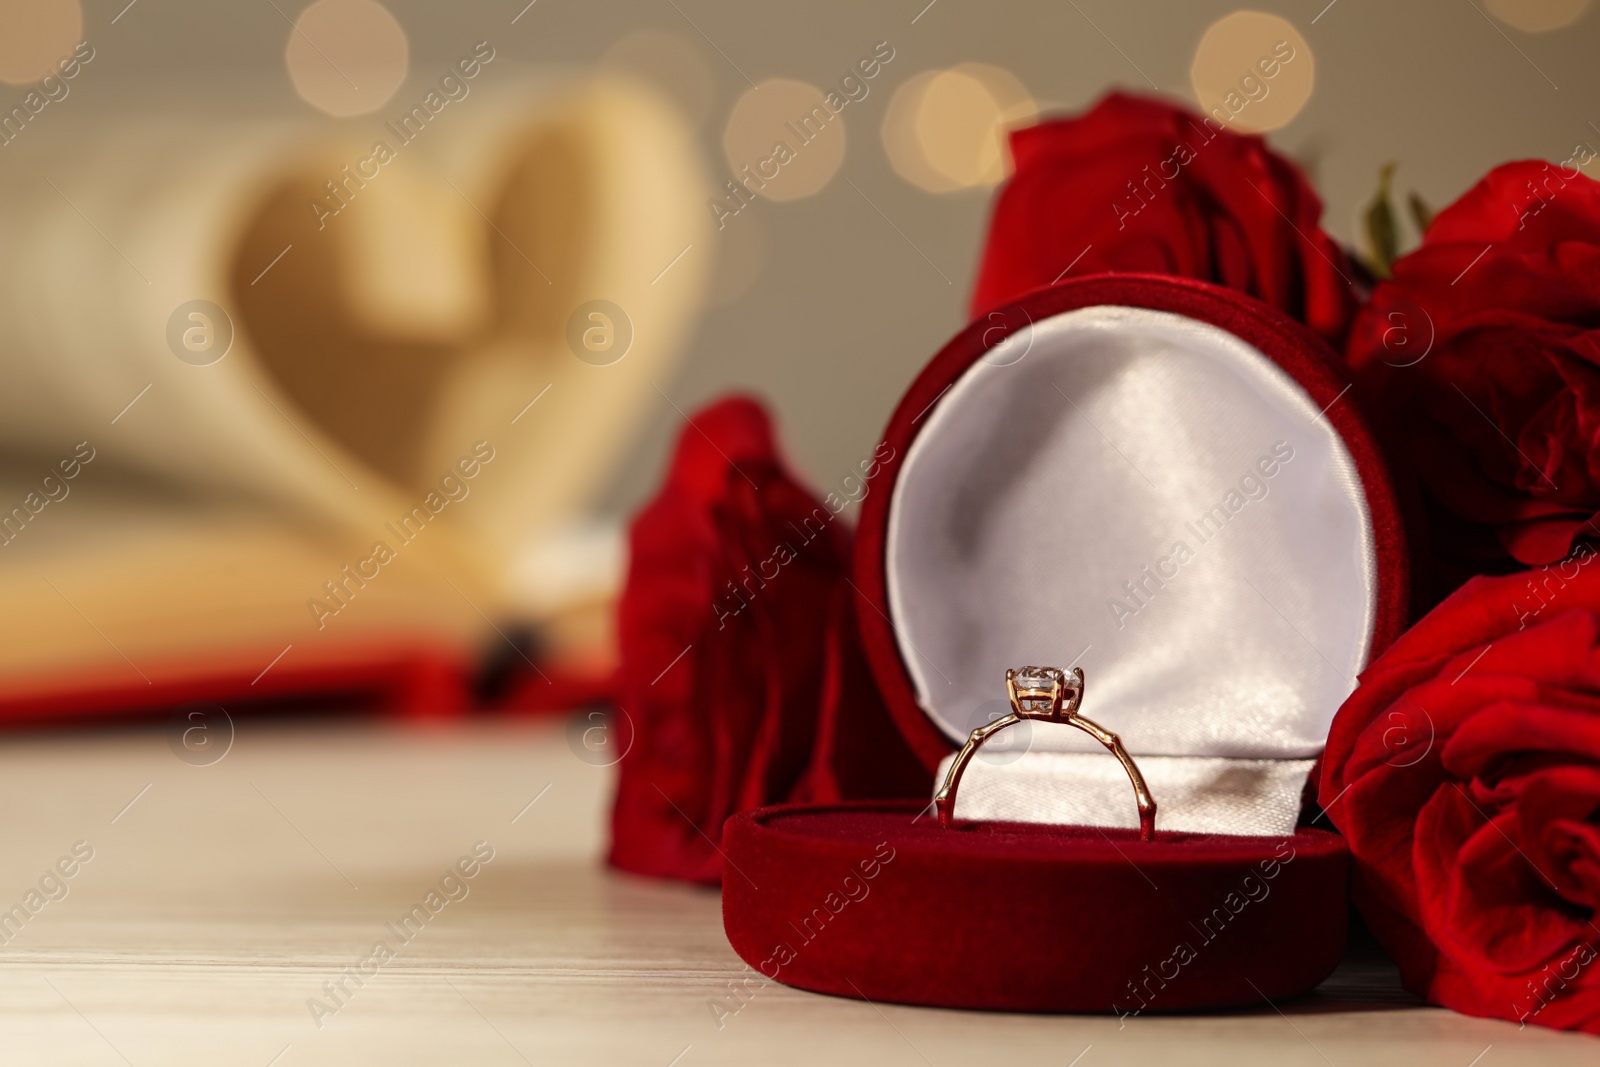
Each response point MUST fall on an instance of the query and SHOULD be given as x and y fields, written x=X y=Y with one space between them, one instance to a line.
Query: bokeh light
x=945 y=130
x=347 y=57
x=35 y=35
x=1253 y=71
x=899 y=133
x=1537 y=16
x=670 y=62
x=787 y=137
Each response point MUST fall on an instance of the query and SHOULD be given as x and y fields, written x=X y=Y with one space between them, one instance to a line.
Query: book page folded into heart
x=334 y=398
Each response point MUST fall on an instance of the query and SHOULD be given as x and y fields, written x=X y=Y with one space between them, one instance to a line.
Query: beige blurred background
x=828 y=303
x=226 y=891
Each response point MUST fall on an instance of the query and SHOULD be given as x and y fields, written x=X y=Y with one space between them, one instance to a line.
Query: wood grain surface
x=219 y=899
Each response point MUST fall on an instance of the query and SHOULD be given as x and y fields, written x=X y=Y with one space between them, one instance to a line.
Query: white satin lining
x=1195 y=794
x=1039 y=485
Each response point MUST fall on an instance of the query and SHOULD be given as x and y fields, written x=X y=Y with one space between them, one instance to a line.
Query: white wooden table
x=220 y=899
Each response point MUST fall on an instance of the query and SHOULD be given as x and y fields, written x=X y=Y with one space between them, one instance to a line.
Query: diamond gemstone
x=1039 y=678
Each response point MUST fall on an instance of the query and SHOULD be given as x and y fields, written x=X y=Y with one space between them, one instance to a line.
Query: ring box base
x=873 y=900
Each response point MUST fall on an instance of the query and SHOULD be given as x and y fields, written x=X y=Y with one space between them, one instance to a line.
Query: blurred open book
x=291 y=407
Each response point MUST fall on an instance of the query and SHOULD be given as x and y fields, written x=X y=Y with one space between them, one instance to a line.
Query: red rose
x=1465 y=772
x=1480 y=359
x=1137 y=184
x=741 y=674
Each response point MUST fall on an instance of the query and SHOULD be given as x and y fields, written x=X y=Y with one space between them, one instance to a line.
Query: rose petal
x=1478 y=864
x=1494 y=397
x=1478 y=892
x=732 y=600
x=1137 y=184
x=1556 y=810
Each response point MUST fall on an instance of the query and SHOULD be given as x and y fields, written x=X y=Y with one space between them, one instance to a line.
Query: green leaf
x=1421 y=213
x=1383 y=238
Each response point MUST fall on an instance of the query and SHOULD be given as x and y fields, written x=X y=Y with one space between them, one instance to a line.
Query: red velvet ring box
x=1161 y=482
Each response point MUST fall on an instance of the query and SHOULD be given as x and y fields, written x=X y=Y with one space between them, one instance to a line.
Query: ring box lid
x=1166 y=484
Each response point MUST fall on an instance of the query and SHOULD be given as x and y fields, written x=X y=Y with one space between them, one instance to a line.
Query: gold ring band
x=1050 y=695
